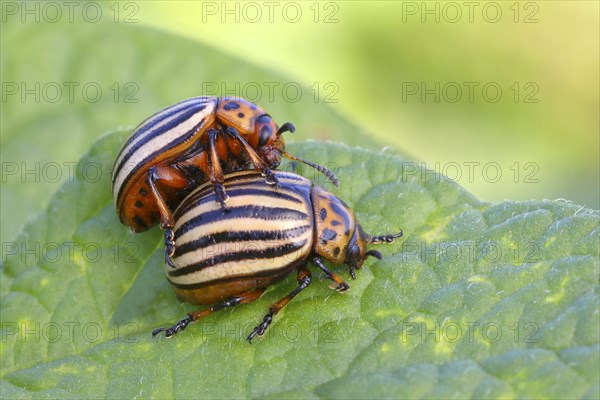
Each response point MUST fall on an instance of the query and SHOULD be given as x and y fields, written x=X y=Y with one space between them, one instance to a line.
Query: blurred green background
x=501 y=96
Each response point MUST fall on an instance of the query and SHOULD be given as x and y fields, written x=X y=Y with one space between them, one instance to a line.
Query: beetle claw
x=340 y=287
x=221 y=195
x=271 y=178
x=169 y=247
x=261 y=328
x=169 y=332
x=169 y=260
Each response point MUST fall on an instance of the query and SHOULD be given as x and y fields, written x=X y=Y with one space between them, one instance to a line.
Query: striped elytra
x=187 y=144
x=223 y=257
x=263 y=233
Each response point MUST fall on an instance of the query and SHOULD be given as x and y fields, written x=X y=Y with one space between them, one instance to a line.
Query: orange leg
x=208 y=161
x=197 y=315
x=255 y=159
x=304 y=279
x=166 y=216
x=341 y=285
x=216 y=172
x=161 y=174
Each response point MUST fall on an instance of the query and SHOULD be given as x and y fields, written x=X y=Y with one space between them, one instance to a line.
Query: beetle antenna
x=327 y=172
x=385 y=238
x=287 y=127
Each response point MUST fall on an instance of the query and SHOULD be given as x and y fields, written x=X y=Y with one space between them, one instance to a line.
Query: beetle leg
x=166 y=217
x=255 y=159
x=340 y=286
x=197 y=315
x=271 y=178
x=304 y=279
x=169 y=247
x=216 y=172
x=179 y=326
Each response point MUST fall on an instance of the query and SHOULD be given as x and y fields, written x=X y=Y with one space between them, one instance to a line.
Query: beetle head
x=339 y=237
x=270 y=139
x=357 y=249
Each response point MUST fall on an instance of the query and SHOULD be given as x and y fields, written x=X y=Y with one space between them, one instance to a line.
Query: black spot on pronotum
x=240 y=115
x=232 y=105
x=336 y=251
x=323 y=214
x=139 y=204
x=328 y=235
x=335 y=223
x=143 y=192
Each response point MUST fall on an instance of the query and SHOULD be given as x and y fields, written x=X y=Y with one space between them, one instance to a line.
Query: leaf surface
x=476 y=300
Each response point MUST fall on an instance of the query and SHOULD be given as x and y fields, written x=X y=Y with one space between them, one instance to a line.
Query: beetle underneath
x=228 y=257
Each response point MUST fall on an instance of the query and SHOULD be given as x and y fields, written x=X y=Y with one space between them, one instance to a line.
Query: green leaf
x=476 y=300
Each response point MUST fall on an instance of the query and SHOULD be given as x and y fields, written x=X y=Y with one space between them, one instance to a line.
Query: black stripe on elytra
x=159 y=116
x=264 y=213
x=239 y=236
x=236 y=192
x=151 y=121
x=151 y=156
x=279 y=194
x=185 y=114
x=275 y=273
x=284 y=184
x=208 y=187
x=256 y=175
x=251 y=254
x=253 y=180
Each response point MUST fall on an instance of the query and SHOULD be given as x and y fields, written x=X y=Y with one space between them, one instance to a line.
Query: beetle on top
x=189 y=143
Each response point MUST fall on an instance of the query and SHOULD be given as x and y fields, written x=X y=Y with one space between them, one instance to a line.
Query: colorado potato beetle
x=187 y=144
x=223 y=258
